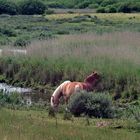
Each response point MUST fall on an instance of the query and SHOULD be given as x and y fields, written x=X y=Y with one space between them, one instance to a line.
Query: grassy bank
x=21 y=125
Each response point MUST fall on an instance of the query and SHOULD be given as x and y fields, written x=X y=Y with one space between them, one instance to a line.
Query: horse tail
x=56 y=95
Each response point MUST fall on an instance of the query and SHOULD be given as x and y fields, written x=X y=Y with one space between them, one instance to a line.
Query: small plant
x=51 y=112
x=135 y=110
x=67 y=116
x=11 y=99
x=45 y=36
x=4 y=40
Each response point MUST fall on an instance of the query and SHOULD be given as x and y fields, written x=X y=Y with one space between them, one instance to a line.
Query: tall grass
x=73 y=57
x=109 y=53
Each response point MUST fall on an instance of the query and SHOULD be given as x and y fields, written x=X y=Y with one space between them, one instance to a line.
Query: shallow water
x=10 y=89
x=13 y=52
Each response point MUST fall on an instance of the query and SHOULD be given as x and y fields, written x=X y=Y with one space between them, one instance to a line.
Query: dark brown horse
x=67 y=88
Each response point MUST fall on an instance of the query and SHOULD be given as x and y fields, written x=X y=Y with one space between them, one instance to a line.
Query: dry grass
x=110 y=16
x=118 y=46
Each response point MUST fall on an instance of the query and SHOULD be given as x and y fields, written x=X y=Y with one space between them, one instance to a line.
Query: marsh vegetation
x=63 y=47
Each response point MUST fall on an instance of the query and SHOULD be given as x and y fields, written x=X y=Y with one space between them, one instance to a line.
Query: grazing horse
x=67 y=88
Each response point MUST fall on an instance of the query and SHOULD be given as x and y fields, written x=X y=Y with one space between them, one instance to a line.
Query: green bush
x=45 y=36
x=129 y=7
x=131 y=94
x=8 y=7
x=124 y=7
x=107 y=2
x=111 y=9
x=134 y=112
x=83 y=4
x=92 y=6
x=12 y=98
x=4 y=40
x=31 y=7
x=7 y=32
x=130 y=111
x=55 y=5
x=91 y=104
x=22 y=41
x=101 y=10
x=107 y=9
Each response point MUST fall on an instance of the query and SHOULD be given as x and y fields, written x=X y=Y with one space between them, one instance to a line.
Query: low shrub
x=83 y=4
x=22 y=41
x=62 y=32
x=101 y=10
x=8 y=32
x=130 y=110
x=136 y=113
x=111 y=9
x=107 y=9
x=45 y=36
x=8 y=7
x=12 y=98
x=129 y=7
x=4 y=40
x=31 y=7
x=55 y=5
x=91 y=104
x=107 y=2
x=130 y=94
x=92 y=6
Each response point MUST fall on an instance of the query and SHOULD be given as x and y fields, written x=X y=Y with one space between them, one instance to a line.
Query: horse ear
x=94 y=72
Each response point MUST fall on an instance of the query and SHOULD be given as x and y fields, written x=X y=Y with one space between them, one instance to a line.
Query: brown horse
x=67 y=88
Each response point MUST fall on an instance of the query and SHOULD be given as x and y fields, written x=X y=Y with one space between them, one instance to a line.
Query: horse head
x=93 y=78
x=54 y=102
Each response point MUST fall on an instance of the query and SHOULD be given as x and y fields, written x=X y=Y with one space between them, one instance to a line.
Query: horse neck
x=90 y=82
x=87 y=86
x=57 y=93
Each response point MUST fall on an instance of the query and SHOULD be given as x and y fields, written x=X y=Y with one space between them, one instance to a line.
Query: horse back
x=72 y=87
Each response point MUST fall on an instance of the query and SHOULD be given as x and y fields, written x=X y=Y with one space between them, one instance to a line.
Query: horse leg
x=66 y=103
